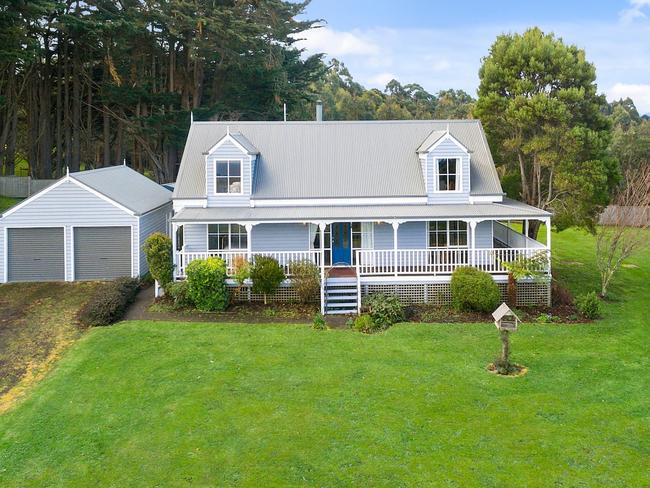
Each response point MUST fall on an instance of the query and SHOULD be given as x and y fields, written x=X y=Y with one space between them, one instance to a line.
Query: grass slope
x=144 y=404
x=7 y=202
x=37 y=322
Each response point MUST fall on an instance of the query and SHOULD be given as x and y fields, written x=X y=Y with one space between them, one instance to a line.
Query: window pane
x=237 y=229
x=442 y=225
x=442 y=183
x=442 y=166
x=356 y=226
x=442 y=240
x=462 y=225
x=222 y=185
x=235 y=168
x=356 y=241
x=462 y=239
x=453 y=239
x=222 y=169
x=452 y=182
x=451 y=166
x=213 y=242
x=222 y=228
x=213 y=228
x=453 y=225
x=235 y=185
x=223 y=242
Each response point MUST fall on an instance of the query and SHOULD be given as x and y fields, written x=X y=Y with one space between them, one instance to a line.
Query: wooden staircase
x=341 y=294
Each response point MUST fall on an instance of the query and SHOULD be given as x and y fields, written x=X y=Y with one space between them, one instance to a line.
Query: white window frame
x=367 y=234
x=459 y=174
x=241 y=175
x=313 y=231
x=230 y=234
x=448 y=232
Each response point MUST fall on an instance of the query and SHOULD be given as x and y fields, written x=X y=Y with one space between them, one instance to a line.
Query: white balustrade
x=284 y=258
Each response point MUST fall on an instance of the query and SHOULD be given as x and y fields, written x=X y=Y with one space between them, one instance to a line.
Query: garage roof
x=125 y=186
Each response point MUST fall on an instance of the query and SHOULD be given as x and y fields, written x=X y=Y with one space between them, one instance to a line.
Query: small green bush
x=179 y=293
x=207 y=287
x=474 y=290
x=384 y=309
x=158 y=250
x=305 y=279
x=588 y=305
x=267 y=275
x=364 y=323
x=109 y=303
x=319 y=322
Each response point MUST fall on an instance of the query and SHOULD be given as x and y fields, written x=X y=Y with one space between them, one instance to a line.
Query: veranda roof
x=508 y=209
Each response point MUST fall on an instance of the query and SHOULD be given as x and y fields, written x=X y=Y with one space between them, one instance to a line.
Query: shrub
x=385 y=310
x=364 y=323
x=588 y=305
x=109 y=303
x=207 y=288
x=241 y=270
x=560 y=295
x=179 y=293
x=267 y=275
x=305 y=278
x=158 y=250
x=319 y=322
x=474 y=290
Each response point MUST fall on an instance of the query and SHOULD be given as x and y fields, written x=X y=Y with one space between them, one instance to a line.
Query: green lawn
x=7 y=202
x=163 y=404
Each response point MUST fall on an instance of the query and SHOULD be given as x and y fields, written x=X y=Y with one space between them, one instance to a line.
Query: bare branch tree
x=623 y=233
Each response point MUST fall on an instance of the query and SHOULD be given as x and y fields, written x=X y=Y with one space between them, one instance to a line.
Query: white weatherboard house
x=86 y=226
x=390 y=206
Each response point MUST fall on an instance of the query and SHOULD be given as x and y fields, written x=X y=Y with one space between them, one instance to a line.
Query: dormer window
x=228 y=176
x=447 y=173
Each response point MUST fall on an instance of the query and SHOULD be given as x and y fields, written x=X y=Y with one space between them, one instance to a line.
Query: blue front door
x=341 y=244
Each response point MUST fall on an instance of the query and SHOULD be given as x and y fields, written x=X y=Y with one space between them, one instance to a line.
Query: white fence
x=440 y=261
x=284 y=258
x=21 y=186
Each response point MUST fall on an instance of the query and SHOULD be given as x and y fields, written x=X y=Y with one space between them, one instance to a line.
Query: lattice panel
x=284 y=294
x=528 y=293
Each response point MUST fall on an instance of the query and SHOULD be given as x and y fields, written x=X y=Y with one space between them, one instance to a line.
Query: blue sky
x=440 y=44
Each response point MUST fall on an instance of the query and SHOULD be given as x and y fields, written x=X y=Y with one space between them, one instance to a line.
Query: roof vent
x=319 y=111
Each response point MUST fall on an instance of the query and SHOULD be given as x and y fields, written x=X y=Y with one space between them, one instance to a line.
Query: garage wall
x=154 y=221
x=68 y=205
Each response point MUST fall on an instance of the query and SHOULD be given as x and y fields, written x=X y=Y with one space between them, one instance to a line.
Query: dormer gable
x=445 y=165
x=229 y=170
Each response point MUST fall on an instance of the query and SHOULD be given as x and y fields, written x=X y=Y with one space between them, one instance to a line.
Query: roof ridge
x=97 y=170
x=335 y=122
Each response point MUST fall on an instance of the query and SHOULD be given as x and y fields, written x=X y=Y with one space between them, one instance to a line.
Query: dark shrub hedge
x=474 y=290
x=364 y=323
x=109 y=303
x=179 y=293
x=267 y=275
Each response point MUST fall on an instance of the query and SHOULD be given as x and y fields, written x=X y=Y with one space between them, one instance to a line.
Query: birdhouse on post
x=505 y=319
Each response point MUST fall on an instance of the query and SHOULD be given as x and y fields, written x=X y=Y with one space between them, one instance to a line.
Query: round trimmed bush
x=474 y=290
x=267 y=275
x=364 y=323
x=207 y=287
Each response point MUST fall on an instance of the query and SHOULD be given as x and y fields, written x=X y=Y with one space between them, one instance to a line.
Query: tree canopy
x=539 y=104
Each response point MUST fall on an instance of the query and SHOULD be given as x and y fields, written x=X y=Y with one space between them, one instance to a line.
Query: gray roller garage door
x=102 y=253
x=36 y=254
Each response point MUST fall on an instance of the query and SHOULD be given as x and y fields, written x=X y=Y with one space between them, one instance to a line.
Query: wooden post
x=321 y=231
x=174 y=256
x=472 y=225
x=395 y=227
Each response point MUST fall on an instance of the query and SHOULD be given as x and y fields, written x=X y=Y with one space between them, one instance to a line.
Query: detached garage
x=87 y=226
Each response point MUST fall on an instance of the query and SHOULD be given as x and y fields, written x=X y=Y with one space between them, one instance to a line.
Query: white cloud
x=640 y=93
x=635 y=11
x=381 y=80
x=336 y=43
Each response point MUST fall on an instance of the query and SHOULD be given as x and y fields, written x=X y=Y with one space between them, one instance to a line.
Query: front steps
x=341 y=296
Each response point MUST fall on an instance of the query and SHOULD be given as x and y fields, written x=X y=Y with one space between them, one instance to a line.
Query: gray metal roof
x=245 y=143
x=126 y=187
x=431 y=139
x=336 y=159
x=508 y=209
